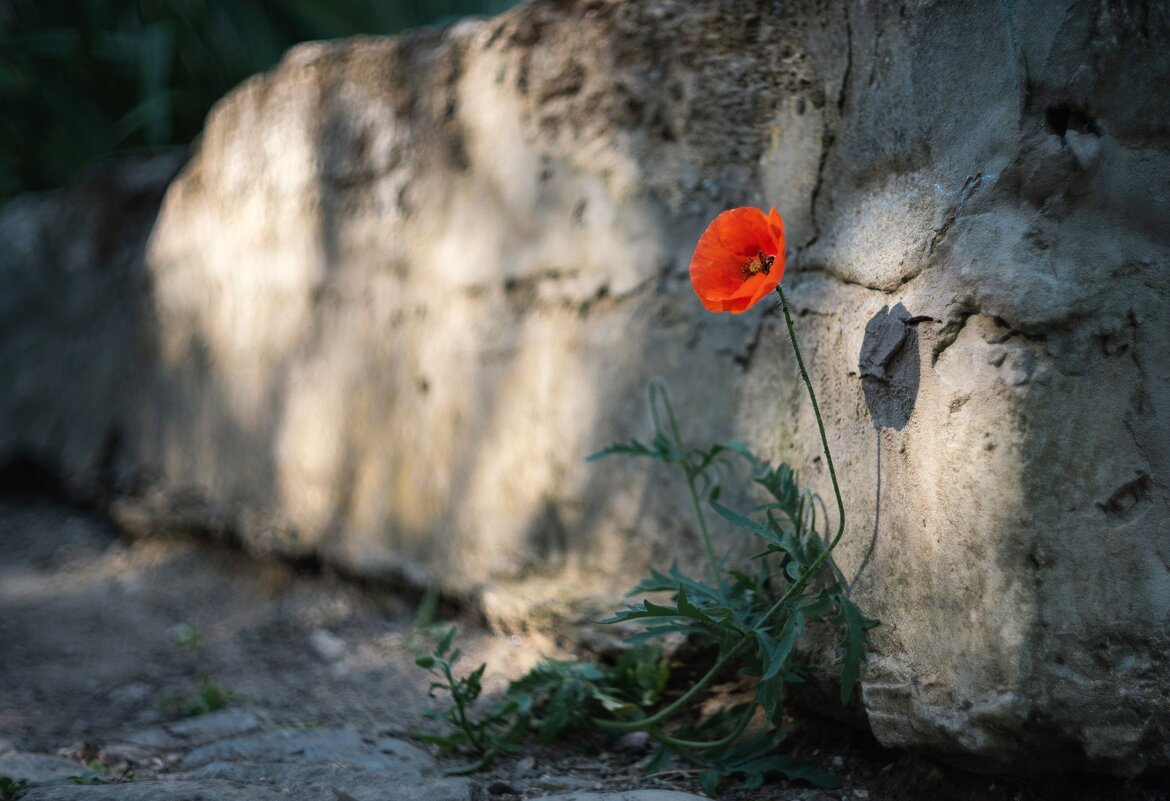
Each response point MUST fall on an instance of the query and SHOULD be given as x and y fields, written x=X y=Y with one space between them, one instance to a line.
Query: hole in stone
x=1127 y=496
x=1067 y=117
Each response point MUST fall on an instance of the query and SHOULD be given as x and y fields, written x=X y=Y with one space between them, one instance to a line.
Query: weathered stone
x=216 y=725
x=320 y=780
x=38 y=768
x=632 y=795
x=343 y=746
x=154 y=791
x=310 y=764
x=406 y=284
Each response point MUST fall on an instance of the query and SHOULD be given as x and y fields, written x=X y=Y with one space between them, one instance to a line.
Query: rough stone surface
x=37 y=768
x=633 y=795
x=154 y=791
x=406 y=284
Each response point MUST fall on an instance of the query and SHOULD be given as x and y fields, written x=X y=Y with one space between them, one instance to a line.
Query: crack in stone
x=972 y=183
x=950 y=332
x=829 y=135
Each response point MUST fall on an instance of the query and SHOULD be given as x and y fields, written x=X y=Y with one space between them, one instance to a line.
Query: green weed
x=747 y=621
x=12 y=789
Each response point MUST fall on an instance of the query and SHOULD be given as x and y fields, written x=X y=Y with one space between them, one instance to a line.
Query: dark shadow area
x=890 y=377
x=889 y=367
x=24 y=476
x=903 y=775
x=89 y=80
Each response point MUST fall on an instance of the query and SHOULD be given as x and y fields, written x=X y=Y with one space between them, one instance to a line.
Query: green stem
x=711 y=560
x=812 y=396
x=465 y=724
x=704 y=745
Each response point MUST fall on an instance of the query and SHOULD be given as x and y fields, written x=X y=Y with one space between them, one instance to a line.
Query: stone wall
x=405 y=285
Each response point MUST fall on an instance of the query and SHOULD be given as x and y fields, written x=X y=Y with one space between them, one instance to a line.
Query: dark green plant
x=211 y=697
x=12 y=789
x=98 y=773
x=82 y=79
x=554 y=697
x=95 y=773
x=748 y=620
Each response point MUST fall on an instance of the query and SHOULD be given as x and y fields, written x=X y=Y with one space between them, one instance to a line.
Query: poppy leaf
x=855 y=625
x=742 y=521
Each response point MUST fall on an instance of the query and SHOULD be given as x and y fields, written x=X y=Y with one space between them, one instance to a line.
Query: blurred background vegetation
x=83 y=80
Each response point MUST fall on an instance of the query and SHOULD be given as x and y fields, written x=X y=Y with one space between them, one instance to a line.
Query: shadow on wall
x=890 y=378
x=70 y=310
x=889 y=367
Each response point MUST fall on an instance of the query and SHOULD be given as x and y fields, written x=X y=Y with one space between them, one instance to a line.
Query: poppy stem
x=812 y=396
x=711 y=560
x=706 y=745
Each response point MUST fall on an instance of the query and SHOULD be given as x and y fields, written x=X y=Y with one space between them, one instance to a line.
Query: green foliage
x=555 y=697
x=12 y=789
x=81 y=79
x=189 y=638
x=704 y=468
x=97 y=773
x=211 y=697
x=754 y=758
x=749 y=621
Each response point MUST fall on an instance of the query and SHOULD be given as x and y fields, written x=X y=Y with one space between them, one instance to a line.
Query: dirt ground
x=98 y=631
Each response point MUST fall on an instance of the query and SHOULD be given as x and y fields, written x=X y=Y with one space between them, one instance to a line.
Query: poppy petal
x=728 y=245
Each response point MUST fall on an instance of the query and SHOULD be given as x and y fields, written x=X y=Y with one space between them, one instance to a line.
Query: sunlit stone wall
x=405 y=285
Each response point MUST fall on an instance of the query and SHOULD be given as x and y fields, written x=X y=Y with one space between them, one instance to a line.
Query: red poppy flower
x=739 y=259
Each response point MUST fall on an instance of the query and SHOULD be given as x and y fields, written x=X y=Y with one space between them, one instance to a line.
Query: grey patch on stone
x=217 y=725
x=558 y=781
x=889 y=367
x=134 y=693
x=317 y=779
x=154 y=737
x=1085 y=147
x=38 y=768
x=343 y=746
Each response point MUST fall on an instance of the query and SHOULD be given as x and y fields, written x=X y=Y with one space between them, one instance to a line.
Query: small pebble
x=635 y=742
x=328 y=645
